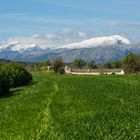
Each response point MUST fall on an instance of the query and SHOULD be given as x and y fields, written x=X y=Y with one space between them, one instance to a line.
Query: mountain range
x=100 y=49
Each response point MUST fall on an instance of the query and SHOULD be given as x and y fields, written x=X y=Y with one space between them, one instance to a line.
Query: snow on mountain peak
x=99 y=41
x=17 y=46
x=10 y=44
x=22 y=46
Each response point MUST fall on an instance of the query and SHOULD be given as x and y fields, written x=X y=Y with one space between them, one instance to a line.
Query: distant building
x=69 y=70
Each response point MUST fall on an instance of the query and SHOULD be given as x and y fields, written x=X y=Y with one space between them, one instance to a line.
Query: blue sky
x=92 y=17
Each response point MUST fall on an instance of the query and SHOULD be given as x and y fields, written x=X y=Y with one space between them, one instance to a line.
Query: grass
x=73 y=108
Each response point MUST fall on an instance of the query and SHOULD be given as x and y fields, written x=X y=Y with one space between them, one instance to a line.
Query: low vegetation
x=73 y=107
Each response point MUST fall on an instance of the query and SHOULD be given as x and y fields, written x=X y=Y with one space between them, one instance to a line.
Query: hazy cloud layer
x=65 y=29
x=51 y=39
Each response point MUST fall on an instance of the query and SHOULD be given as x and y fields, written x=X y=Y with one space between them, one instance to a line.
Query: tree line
x=130 y=64
x=15 y=75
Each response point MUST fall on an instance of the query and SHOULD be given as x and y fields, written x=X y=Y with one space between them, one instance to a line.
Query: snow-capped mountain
x=94 y=42
x=8 y=46
x=19 y=47
x=101 y=50
x=99 y=41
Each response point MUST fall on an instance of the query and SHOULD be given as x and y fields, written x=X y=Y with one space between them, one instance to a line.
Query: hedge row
x=12 y=75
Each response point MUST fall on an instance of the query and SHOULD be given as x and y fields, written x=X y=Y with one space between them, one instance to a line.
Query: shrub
x=4 y=83
x=61 y=70
x=12 y=75
x=114 y=65
x=117 y=64
x=109 y=65
x=18 y=75
x=113 y=73
x=57 y=63
x=91 y=65
x=79 y=63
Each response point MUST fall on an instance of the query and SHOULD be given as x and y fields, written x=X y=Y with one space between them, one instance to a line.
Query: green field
x=73 y=108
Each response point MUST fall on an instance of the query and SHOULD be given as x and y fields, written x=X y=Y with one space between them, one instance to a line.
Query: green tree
x=91 y=65
x=114 y=65
x=131 y=63
x=117 y=64
x=57 y=64
x=109 y=65
x=79 y=63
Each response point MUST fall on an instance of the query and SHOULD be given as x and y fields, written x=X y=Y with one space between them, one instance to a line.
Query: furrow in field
x=45 y=121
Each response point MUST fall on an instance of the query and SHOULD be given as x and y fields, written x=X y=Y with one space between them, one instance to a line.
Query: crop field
x=57 y=107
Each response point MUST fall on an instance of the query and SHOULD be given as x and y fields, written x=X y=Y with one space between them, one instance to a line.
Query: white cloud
x=35 y=36
x=82 y=34
x=51 y=40
x=66 y=30
x=50 y=36
x=125 y=24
